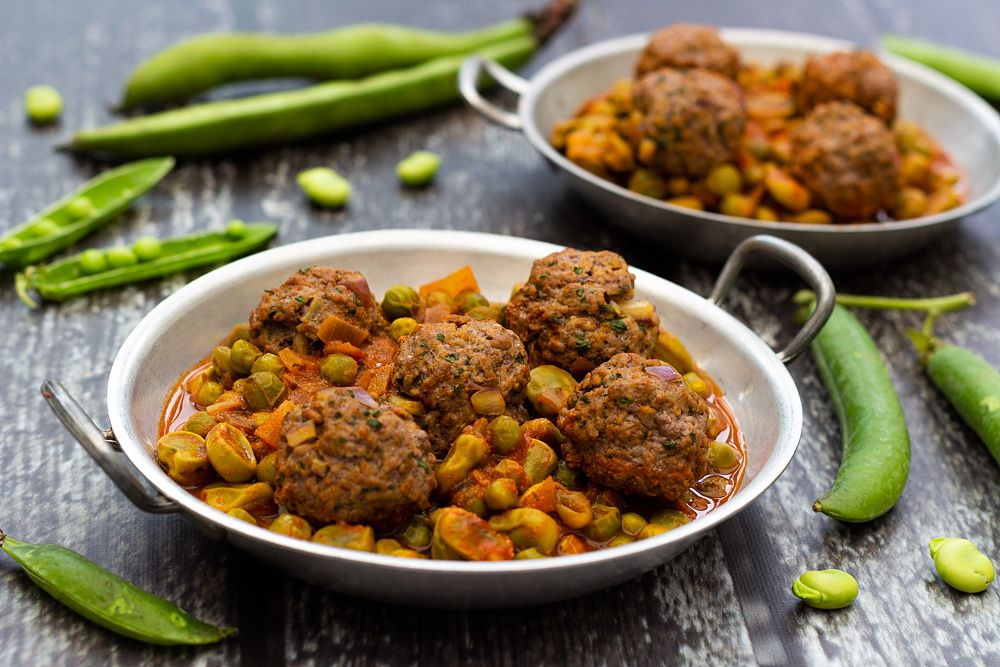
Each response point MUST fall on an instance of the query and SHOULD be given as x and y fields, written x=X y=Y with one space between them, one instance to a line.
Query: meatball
x=444 y=364
x=289 y=315
x=847 y=159
x=574 y=311
x=848 y=76
x=684 y=45
x=344 y=458
x=637 y=430
x=691 y=120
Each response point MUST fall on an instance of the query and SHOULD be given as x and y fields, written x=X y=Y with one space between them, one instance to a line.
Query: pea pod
x=876 y=458
x=294 y=115
x=207 y=61
x=93 y=204
x=107 y=599
x=969 y=383
x=68 y=278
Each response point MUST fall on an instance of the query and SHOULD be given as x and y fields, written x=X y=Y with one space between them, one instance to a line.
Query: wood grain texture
x=725 y=601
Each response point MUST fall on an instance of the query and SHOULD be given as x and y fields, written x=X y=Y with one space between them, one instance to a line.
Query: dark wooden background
x=724 y=601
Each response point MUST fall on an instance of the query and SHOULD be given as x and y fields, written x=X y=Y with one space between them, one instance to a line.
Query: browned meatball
x=342 y=459
x=290 y=314
x=636 y=431
x=444 y=364
x=684 y=45
x=848 y=76
x=691 y=120
x=847 y=159
x=573 y=311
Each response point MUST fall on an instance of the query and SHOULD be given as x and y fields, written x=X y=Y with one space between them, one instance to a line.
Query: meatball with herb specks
x=848 y=76
x=634 y=425
x=345 y=458
x=684 y=45
x=443 y=365
x=576 y=312
x=848 y=159
x=290 y=314
x=691 y=120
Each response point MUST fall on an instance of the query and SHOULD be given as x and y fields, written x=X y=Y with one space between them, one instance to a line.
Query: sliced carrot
x=454 y=283
x=270 y=430
x=340 y=347
x=295 y=361
x=335 y=328
x=225 y=406
x=379 y=383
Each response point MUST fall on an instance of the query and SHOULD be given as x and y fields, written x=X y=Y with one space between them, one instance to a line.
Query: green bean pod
x=109 y=194
x=979 y=73
x=207 y=61
x=972 y=386
x=294 y=115
x=107 y=599
x=68 y=278
x=876 y=457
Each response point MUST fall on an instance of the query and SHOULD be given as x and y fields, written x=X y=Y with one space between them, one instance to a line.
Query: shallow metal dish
x=180 y=329
x=967 y=128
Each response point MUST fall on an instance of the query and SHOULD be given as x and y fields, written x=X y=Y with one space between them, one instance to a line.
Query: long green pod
x=107 y=599
x=288 y=116
x=979 y=73
x=207 y=61
x=67 y=278
x=92 y=205
x=971 y=385
x=876 y=458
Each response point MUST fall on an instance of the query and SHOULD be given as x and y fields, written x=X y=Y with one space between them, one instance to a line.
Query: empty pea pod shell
x=107 y=599
x=66 y=278
x=95 y=203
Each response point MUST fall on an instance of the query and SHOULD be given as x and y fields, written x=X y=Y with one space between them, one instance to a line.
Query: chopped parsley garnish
x=451 y=358
x=440 y=337
x=618 y=325
x=580 y=296
x=581 y=341
x=374 y=423
x=300 y=299
x=519 y=358
x=577 y=270
x=624 y=400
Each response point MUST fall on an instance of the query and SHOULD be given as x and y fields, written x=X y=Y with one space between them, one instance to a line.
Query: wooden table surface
x=724 y=601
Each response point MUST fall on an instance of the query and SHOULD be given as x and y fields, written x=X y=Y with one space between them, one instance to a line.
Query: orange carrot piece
x=270 y=430
x=454 y=283
x=340 y=347
x=293 y=360
x=224 y=406
x=334 y=329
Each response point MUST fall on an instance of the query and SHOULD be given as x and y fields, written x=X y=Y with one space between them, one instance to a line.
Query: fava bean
x=230 y=454
x=293 y=526
x=418 y=168
x=42 y=104
x=325 y=187
x=826 y=589
x=961 y=565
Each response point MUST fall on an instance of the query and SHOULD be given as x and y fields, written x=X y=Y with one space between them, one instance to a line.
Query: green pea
x=403 y=326
x=269 y=363
x=605 y=524
x=236 y=229
x=208 y=393
x=93 y=261
x=119 y=257
x=469 y=300
x=242 y=356
x=961 y=565
x=43 y=228
x=339 y=370
x=80 y=208
x=325 y=187
x=722 y=456
x=200 y=423
x=418 y=168
x=528 y=554
x=43 y=104
x=506 y=433
x=632 y=523
x=400 y=301
x=147 y=249
x=670 y=519
x=417 y=533
x=826 y=589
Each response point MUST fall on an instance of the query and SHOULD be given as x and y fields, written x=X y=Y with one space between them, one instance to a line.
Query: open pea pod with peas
x=100 y=269
x=94 y=204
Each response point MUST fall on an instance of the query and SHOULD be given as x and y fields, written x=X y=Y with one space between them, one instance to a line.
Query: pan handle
x=468 y=82
x=797 y=260
x=103 y=448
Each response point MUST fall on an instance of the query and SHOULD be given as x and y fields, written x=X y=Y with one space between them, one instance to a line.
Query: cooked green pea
x=605 y=524
x=93 y=261
x=120 y=257
x=267 y=468
x=325 y=187
x=528 y=554
x=961 y=565
x=43 y=104
x=243 y=355
x=469 y=300
x=81 y=207
x=263 y=391
x=632 y=523
x=826 y=589
x=620 y=540
x=417 y=533
x=208 y=393
x=147 y=249
x=293 y=526
x=340 y=370
x=400 y=301
x=403 y=326
x=670 y=519
x=43 y=228
x=418 y=168
x=506 y=433
x=236 y=229
x=269 y=363
x=222 y=360
x=722 y=456
x=200 y=423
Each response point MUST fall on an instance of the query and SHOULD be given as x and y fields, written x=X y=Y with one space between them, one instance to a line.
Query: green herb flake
x=618 y=325
x=374 y=423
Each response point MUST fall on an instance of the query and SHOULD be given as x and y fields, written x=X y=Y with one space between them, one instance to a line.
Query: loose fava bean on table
x=42 y=104
x=107 y=599
x=961 y=565
x=93 y=204
x=418 y=168
x=206 y=61
x=90 y=271
x=826 y=589
x=325 y=187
